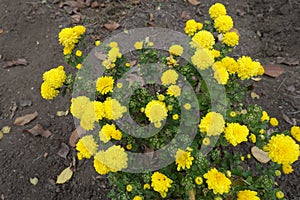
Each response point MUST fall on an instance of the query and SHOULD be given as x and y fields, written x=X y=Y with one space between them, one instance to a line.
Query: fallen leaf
x=62 y=113
x=64 y=150
x=34 y=180
x=194 y=2
x=13 y=109
x=192 y=194
x=151 y=17
x=100 y=56
x=273 y=71
x=185 y=15
x=64 y=176
x=254 y=95
x=95 y=4
x=38 y=130
x=75 y=136
x=132 y=78
x=21 y=121
x=132 y=63
x=240 y=12
x=112 y=25
x=1 y=30
x=76 y=18
x=287 y=61
x=45 y=155
x=73 y=4
x=15 y=62
x=5 y=130
x=256 y=79
x=260 y=155
x=288 y=120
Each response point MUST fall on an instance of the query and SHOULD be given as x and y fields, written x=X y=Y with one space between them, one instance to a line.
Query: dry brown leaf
x=21 y=121
x=64 y=150
x=13 y=109
x=38 y=130
x=260 y=155
x=112 y=25
x=95 y=4
x=73 y=4
x=185 y=15
x=288 y=120
x=100 y=56
x=76 y=18
x=15 y=62
x=64 y=176
x=75 y=135
x=287 y=61
x=1 y=30
x=254 y=95
x=194 y=2
x=132 y=63
x=273 y=71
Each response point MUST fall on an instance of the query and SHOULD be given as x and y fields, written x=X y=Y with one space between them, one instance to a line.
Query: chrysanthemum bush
x=212 y=166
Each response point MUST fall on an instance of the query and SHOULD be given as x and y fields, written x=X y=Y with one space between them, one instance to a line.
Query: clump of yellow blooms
x=202 y=58
x=176 y=50
x=69 y=37
x=223 y=23
x=230 y=64
x=108 y=132
x=220 y=73
x=236 y=133
x=112 y=56
x=174 y=90
x=217 y=181
x=247 y=195
x=53 y=80
x=169 y=77
x=156 y=111
x=212 y=124
x=282 y=149
x=105 y=84
x=183 y=159
x=203 y=39
x=86 y=147
x=265 y=116
x=217 y=10
x=248 y=68
x=231 y=39
x=192 y=26
x=161 y=183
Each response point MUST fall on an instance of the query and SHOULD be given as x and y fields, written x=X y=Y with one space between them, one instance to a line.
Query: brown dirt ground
x=269 y=29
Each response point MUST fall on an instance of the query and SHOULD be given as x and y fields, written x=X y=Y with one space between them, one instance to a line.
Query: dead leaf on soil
x=254 y=95
x=112 y=25
x=260 y=155
x=64 y=150
x=151 y=17
x=287 y=61
x=21 y=121
x=15 y=62
x=194 y=2
x=185 y=15
x=13 y=109
x=256 y=79
x=75 y=136
x=132 y=78
x=288 y=120
x=273 y=71
x=73 y=4
x=38 y=130
x=95 y=4
x=132 y=63
x=100 y=56
x=5 y=130
x=64 y=176
x=34 y=181
x=1 y=30
x=76 y=18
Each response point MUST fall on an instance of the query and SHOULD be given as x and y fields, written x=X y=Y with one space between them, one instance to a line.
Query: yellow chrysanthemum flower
x=223 y=23
x=79 y=30
x=236 y=133
x=129 y=188
x=113 y=54
x=97 y=43
x=176 y=50
x=203 y=39
x=217 y=181
x=86 y=147
x=161 y=97
x=55 y=77
x=69 y=37
x=220 y=73
x=99 y=110
x=108 y=132
x=156 y=111
x=252 y=137
x=273 y=121
x=105 y=84
x=78 y=106
x=265 y=116
x=287 y=169
x=138 y=45
x=247 y=195
x=48 y=92
x=230 y=64
x=79 y=66
x=78 y=53
x=113 y=109
x=279 y=194
x=248 y=68
x=217 y=10
x=192 y=26
x=99 y=160
x=231 y=39
x=187 y=106
x=137 y=198
x=212 y=124
x=199 y=180
x=215 y=53
x=202 y=58
x=113 y=45
x=282 y=149
x=161 y=183
x=206 y=141
x=88 y=118
x=169 y=77
x=146 y=186
x=183 y=159
x=174 y=90
x=295 y=132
